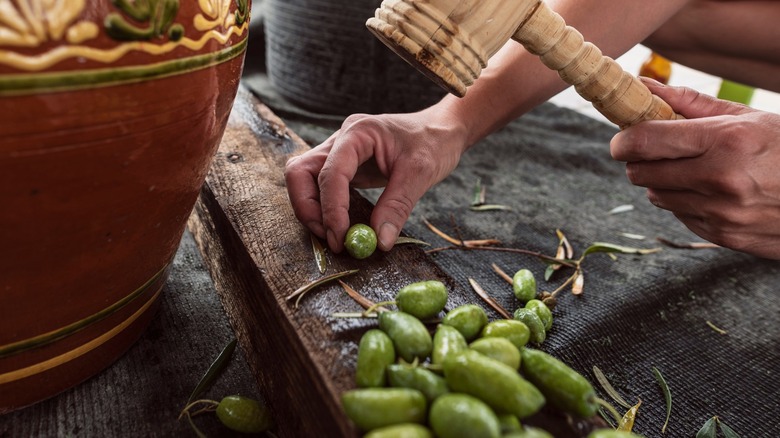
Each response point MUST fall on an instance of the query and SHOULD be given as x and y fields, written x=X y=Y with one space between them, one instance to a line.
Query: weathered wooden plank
x=258 y=253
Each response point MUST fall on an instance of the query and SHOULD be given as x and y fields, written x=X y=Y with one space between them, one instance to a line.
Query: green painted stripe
x=20 y=84
x=56 y=335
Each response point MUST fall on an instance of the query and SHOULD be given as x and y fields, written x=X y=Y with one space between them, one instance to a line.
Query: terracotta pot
x=110 y=114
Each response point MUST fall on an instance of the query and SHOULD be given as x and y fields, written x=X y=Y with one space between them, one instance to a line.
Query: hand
x=717 y=171
x=408 y=153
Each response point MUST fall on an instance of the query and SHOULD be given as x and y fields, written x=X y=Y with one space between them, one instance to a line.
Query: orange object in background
x=656 y=67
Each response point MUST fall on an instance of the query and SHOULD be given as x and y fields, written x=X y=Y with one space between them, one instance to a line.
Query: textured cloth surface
x=637 y=312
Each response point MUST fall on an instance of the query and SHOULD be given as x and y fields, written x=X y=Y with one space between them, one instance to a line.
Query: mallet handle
x=621 y=97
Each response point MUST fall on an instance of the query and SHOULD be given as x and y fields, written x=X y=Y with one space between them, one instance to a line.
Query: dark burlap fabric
x=637 y=312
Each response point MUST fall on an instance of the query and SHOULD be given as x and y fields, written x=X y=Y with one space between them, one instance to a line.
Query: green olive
x=509 y=423
x=514 y=331
x=375 y=353
x=405 y=430
x=462 y=415
x=611 y=433
x=493 y=382
x=410 y=336
x=530 y=318
x=563 y=387
x=423 y=299
x=429 y=383
x=372 y=408
x=524 y=285
x=360 y=241
x=529 y=432
x=500 y=349
x=243 y=414
x=468 y=319
x=541 y=309
x=446 y=340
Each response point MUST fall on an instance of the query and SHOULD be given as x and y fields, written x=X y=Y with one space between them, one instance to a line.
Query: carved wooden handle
x=621 y=97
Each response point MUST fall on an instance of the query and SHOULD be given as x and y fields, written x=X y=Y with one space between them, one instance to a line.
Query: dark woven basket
x=321 y=56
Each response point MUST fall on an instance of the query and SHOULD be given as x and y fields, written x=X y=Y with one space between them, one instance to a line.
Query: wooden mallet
x=450 y=41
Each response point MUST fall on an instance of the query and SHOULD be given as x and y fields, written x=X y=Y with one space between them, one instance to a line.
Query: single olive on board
x=563 y=387
x=243 y=414
x=360 y=241
x=375 y=353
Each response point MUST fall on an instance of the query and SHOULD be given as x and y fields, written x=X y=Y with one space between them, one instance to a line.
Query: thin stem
x=376 y=307
x=611 y=409
x=553 y=260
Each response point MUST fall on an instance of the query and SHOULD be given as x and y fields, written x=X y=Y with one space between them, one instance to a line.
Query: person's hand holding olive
x=407 y=153
x=716 y=170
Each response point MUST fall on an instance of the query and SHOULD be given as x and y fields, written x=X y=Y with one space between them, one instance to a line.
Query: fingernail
x=332 y=241
x=650 y=81
x=388 y=233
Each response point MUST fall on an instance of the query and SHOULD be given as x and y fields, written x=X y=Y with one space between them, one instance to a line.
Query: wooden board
x=258 y=253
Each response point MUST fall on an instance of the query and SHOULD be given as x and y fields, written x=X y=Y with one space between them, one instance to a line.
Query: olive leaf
x=488 y=299
x=608 y=388
x=579 y=283
x=501 y=273
x=214 y=370
x=708 y=430
x=319 y=253
x=716 y=328
x=622 y=209
x=478 y=198
x=309 y=286
x=403 y=240
x=489 y=207
x=612 y=248
x=627 y=422
x=360 y=299
x=667 y=396
x=727 y=431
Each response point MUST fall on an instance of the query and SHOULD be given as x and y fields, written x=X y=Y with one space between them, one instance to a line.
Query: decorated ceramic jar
x=110 y=114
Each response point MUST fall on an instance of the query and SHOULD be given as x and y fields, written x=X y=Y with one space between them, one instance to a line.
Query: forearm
x=515 y=80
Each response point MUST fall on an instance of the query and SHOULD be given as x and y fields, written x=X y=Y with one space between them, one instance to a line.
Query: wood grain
x=258 y=253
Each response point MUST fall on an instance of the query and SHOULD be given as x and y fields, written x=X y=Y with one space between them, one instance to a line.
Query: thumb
x=393 y=208
x=690 y=103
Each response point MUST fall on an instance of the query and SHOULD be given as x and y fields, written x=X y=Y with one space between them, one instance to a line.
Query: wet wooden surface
x=258 y=253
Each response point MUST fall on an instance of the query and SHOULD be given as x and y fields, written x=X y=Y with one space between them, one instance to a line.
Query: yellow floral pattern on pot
x=152 y=27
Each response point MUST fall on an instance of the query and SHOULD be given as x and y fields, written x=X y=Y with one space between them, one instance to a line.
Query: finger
x=692 y=104
x=350 y=150
x=663 y=174
x=300 y=176
x=670 y=139
x=394 y=206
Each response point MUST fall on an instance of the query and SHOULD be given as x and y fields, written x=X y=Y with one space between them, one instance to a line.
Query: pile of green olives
x=467 y=377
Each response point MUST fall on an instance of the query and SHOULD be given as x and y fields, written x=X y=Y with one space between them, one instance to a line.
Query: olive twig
x=375 y=308
x=211 y=406
x=488 y=299
x=309 y=286
x=606 y=405
x=363 y=301
x=537 y=254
